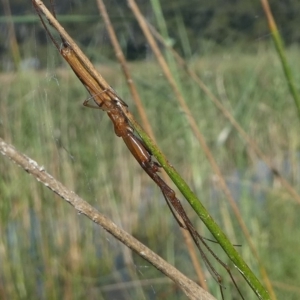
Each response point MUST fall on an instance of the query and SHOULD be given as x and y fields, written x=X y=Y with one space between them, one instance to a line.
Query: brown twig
x=89 y=66
x=190 y=288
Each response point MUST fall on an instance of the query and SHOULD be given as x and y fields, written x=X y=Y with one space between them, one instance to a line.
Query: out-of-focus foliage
x=217 y=21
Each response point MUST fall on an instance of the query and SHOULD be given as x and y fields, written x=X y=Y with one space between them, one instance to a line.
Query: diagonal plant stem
x=190 y=288
x=280 y=50
x=135 y=95
x=184 y=189
x=216 y=231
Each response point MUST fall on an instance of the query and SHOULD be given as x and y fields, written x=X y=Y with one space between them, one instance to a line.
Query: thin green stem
x=279 y=45
x=201 y=211
x=287 y=70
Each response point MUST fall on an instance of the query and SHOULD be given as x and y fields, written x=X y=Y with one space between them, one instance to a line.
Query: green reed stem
x=279 y=45
x=201 y=211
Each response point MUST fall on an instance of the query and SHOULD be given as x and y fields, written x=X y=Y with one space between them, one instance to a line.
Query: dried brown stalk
x=190 y=288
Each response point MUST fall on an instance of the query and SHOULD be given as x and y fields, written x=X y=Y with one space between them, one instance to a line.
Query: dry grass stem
x=190 y=288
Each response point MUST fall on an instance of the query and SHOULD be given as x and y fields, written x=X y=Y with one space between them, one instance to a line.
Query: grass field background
x=48 y=251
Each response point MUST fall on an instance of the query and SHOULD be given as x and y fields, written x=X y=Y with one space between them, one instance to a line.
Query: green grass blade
x=213 y=227
x=279 y=45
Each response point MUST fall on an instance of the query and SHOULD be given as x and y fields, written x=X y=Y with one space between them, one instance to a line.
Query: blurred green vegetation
x=47 y=251
x=50 y=252
x=224 y=23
